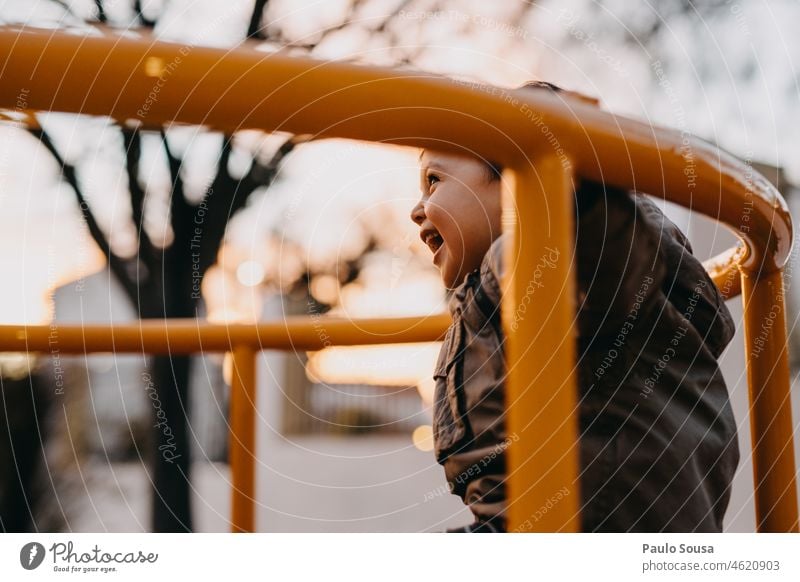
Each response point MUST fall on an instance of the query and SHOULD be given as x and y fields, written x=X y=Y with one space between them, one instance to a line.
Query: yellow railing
x=541 y=140
x=244 y=342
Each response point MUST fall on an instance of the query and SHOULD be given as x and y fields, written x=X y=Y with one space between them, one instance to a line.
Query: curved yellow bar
x=150 y=83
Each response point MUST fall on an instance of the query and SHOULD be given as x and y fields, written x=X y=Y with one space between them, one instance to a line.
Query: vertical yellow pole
x=771 y=429
x=539 y=319
x=242 y=439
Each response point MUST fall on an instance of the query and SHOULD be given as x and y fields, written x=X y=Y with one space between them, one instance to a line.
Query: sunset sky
x=330 y=194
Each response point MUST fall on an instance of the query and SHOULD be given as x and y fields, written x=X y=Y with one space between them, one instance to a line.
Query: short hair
x=493 y=169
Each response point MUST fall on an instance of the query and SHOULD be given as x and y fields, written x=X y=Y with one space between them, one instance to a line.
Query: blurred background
x=98 y=225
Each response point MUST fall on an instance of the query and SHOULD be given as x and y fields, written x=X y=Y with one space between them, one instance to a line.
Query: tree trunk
x=23 y=407
x=171 y=464
x=171 y=379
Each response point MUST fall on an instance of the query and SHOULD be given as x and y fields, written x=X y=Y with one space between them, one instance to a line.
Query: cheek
x=453 y=233
x=445 y=216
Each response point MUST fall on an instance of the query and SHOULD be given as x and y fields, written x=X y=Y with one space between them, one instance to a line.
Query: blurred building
x=117 y=414
x=331 y=456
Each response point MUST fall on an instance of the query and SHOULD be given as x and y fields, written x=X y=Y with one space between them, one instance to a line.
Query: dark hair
x=495 y=170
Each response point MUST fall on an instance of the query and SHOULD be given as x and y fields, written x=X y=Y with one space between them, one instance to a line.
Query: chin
x=451 y=282
x=451 y=277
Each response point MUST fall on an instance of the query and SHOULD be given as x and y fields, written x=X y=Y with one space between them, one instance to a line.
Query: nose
x=418 y=213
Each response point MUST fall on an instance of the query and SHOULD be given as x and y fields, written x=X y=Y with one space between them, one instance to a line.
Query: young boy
x=658 y=444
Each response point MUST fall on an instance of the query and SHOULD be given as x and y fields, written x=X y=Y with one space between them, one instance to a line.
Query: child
x=658 y=443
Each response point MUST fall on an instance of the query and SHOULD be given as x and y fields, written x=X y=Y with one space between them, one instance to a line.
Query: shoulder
x=492 y=268
x=488 y=277
x=493 y=260
x=668 y=230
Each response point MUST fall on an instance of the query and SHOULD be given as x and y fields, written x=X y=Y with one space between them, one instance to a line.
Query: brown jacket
x=658 y=438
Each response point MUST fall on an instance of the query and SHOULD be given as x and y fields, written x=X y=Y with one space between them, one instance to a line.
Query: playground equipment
x=543 y=142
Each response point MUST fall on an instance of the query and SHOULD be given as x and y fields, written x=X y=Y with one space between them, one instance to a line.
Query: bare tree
x=159 y=282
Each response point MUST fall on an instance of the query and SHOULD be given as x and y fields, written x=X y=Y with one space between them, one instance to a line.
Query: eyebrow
x=433 y=165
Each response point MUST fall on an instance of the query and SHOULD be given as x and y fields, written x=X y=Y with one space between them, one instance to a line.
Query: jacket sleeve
x=619 y=269
x=469 y=407
x=687 y=279
x=631 y=263
x=619 y=260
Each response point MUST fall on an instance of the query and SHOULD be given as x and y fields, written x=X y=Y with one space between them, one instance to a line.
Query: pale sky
x=328 y=211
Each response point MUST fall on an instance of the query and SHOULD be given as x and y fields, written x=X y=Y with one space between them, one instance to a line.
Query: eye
x=432 y=178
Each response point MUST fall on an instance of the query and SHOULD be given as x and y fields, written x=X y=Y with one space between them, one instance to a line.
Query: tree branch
x=117 y=264
x=254 y=28
x=264 y=174
x=178 y=201
x=133 y=150
x=146 y=22
x=64 y=5
x=101 y=11
x=227 y=195
x=311 y=44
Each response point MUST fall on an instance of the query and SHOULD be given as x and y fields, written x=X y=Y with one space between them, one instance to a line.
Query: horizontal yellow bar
x=152 y=82
x=181 y=336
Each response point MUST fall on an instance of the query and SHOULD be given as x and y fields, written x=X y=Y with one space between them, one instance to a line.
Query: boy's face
x=458 y=214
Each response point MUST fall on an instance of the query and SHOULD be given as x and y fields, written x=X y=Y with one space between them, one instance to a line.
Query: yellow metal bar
x=151 y=83
x=771 y=425
x=180 y=336
x=725 y=272
x=242 y=439
x=542 y=396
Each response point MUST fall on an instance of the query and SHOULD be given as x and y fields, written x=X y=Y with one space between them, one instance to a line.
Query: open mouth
x=434 y=241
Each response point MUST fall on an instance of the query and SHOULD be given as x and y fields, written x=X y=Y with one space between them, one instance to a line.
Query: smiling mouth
x=434 y=242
